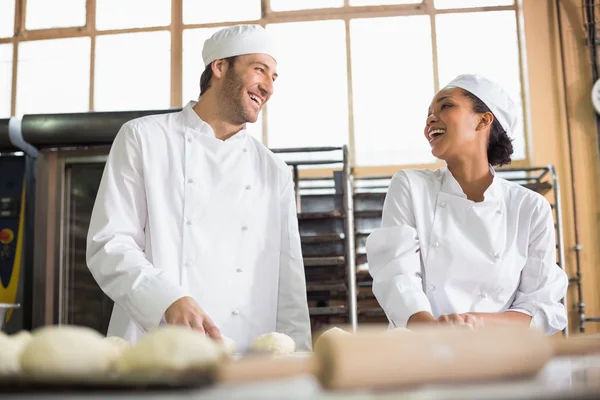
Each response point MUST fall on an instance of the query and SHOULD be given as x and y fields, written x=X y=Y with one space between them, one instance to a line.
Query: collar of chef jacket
x=192 y=121
x=451 y=186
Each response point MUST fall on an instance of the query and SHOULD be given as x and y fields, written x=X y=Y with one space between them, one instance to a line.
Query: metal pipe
x=304 y=149
x=74 y=129
x=92 y=128
x=348 y=188
x=559 y=232
x=578 y=247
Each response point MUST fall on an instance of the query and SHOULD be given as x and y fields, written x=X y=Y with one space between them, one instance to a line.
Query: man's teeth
x=436 y=132
x=256 y=99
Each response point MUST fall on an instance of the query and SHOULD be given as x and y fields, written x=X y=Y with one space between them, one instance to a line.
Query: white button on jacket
x=154 y=237
x=489 y=256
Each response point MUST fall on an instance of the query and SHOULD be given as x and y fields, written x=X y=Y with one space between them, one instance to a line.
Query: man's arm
x=292 y=308
x=116 y=238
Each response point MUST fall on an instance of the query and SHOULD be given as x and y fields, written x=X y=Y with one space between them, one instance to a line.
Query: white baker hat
x=494 y=96
x=237 y=40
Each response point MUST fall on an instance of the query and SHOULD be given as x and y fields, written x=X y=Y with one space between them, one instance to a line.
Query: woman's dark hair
x=207 y=75
x=500 y=145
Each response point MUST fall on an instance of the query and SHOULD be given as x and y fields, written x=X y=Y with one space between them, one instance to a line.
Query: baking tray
x=110 y=382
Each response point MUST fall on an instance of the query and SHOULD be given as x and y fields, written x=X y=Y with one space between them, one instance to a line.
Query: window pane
x=53 y=76
x=133 y=71
x=6 y=61
x=391 y=91
x=310 y=104
x=193 y=66
x=290 y=5
x=382 y=2
x=7 y=18
x=119 y=14
x=202 y=12
x=446 y=4
x=496 y=31
x=43 y=14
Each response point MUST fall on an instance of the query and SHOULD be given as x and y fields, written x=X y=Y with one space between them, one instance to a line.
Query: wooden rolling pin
x=374 y=358
x=576 y=345
x=377 y=360
x=263 y=367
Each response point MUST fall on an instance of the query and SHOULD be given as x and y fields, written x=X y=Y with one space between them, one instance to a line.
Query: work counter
x=562 y=378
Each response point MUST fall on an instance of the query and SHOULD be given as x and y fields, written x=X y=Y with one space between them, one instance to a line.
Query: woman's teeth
x=436 y=132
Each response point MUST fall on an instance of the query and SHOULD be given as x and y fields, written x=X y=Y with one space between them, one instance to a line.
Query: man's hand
x=187 y=312
x=420 y=318
x=461 y=320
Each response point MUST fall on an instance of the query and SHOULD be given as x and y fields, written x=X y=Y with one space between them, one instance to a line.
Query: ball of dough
x=119 y=344
x=66 y=352
x=22 y=336
x=274 y=342
x=170 y=349
x=11 y=348
x=228 y=345
x=329 y=332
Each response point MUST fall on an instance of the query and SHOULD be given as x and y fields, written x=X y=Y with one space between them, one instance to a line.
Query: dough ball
x=66 y=352
x=170 y=349
x=11 y=348
x=119 y=344
x=330 y=332
x=274 y=342
x=228 y=345
x=22 y=336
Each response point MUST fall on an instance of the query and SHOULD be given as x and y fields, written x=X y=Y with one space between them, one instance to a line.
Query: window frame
x=345 y=13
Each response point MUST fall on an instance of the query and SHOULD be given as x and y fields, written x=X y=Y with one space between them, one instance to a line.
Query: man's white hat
x=494 y=96
x=236 y=41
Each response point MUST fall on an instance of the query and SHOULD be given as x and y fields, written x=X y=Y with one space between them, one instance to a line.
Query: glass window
x=291 y=5
x=382 y=2
x=459 y=51
x=310 y=103
x=203 y=12
x=133 y=71
x=43 y=14
x=193 y=66
x=53 y=76
x=7 y=18
x=6 y=63
x=447 y=4
x=118 y=14
x=391 y=89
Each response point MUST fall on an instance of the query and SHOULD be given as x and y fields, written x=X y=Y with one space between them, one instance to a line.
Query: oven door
x=65 y=291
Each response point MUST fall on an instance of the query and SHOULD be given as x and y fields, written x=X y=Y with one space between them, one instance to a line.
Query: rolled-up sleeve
x=394 y=257
x=116 y=239
x=543 y=283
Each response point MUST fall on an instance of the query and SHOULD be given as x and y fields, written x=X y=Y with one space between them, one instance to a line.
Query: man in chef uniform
x=195 y=221
x=460 y=245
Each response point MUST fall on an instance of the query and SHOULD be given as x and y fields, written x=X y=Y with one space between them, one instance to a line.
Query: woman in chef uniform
x=460 y=245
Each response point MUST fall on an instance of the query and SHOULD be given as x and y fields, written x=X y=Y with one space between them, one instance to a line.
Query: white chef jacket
x=439 y=252
x=182 y=213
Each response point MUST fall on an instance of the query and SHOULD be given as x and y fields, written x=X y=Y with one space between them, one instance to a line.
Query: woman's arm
x=394 y=257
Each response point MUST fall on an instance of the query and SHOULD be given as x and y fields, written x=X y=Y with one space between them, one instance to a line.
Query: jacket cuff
x=149 y=301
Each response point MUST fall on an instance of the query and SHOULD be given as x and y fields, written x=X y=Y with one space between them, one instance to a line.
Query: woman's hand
x=465 y=320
